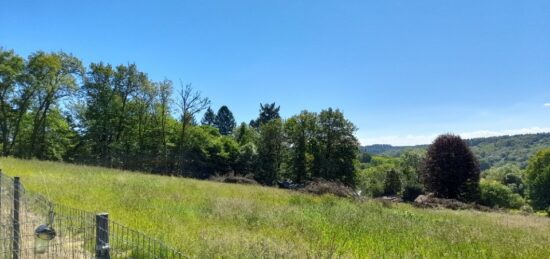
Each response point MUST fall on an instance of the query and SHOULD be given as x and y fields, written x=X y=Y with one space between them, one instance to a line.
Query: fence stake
x=16 y=186
x=102 y=236
x=1 y=176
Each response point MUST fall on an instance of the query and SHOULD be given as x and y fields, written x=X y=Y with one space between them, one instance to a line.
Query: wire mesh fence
x=31 y=226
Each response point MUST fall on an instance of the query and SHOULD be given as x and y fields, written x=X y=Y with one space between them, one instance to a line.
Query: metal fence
x=31 y=226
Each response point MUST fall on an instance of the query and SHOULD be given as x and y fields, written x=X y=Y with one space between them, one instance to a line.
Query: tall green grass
x=210 y=219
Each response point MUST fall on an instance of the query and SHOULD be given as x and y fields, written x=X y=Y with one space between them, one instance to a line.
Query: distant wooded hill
x=492 y=151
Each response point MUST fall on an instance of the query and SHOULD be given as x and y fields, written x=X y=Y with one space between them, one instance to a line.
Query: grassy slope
x=206 y=218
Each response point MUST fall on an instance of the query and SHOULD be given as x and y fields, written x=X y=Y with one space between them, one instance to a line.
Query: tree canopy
x=538 y=179
x=451 y=170
x=54 y=108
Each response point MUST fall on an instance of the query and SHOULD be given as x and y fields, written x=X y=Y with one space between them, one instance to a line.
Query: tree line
x=52 y=107
x=448 y=168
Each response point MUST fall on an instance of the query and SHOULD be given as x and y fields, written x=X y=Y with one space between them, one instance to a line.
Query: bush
x=538 y=179
x=451 y=169
x=515 y=183
x=370 y=180
x=526 y=209
x=494 y=194
x=365 y=158
x=509 y=175
x=411 y=191
x=498 y=173
x=392 y=183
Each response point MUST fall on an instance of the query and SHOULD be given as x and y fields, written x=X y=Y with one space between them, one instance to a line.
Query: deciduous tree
x=451 y=169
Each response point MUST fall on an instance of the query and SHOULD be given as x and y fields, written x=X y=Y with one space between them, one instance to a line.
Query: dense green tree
x=410 y=163
x=335 y=147
x=495 y=194
x=53 y=76
x=225 y=122
x=209 y=153
x=300 y=131
x=270 y=151
x=370 y=180
x=247 y=161
x=209 y=118
x=99 y=118
x=245 y=134
x=509 y=175
x=60 y=136
x=451 y=170
x=365 y=157
x=538 y=179
x=392 y=183
x=12 y=74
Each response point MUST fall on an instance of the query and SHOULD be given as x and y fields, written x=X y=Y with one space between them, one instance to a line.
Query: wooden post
x=1 y=176
x=16 y=187
x=102 y=236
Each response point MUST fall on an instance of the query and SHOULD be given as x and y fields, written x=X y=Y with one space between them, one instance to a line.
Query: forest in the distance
x=490 y=151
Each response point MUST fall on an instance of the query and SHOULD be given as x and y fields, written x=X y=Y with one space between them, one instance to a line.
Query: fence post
x=1 y=176
x=16 y=188
x=102 y=236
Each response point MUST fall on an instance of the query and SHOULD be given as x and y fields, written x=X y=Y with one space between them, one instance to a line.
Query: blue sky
x=402 y=71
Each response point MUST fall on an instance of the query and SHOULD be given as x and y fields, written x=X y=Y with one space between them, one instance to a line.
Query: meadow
x=209 y=219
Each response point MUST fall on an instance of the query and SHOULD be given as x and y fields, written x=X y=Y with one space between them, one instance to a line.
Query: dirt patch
x=234 y=179
x=321 y=186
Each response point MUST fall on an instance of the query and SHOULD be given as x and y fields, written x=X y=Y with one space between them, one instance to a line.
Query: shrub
x=515 y=183
x=538 y=179
x=494 y=194
x=411 y=191
x=370 y=180
x=509 y=175
x=392 y=183
x=451 y=170
x=365 y=158
x=498 y=173
x=526 y=209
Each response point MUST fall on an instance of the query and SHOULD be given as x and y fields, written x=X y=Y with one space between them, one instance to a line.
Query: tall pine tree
x=209 y=118
x=268 y=112
x=225 y=122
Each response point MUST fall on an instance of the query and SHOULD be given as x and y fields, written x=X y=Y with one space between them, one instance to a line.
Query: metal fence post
x=16 y=187
x=102 y=236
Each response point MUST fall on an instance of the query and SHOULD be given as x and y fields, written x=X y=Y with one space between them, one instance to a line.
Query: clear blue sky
x=402 y=71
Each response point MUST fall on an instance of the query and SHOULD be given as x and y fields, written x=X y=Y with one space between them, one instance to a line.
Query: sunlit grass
x=209 y=219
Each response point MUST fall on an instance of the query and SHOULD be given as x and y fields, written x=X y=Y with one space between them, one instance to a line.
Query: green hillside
x=209 y=219
x=492 y=151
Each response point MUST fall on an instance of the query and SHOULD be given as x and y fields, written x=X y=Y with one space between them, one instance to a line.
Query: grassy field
x=209 y=219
